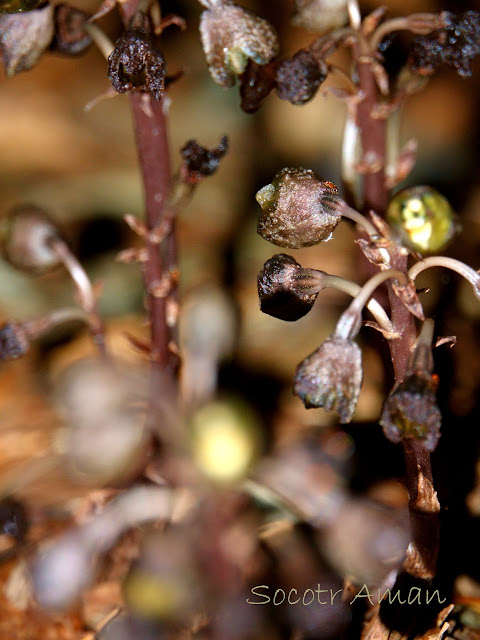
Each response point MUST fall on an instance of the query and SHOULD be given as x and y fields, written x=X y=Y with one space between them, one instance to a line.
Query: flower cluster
x=300 y=209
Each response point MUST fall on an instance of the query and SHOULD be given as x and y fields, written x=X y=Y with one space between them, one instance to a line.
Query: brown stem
x=424 y=507
x=152 y=148
x=150 y=125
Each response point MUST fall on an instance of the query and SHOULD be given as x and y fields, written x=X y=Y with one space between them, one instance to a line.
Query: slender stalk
x=472 y=276
x=313 y=281
x=350 y=321
x=418 y=23
x=85 y=292
x=100 y=38
x=360 y=219
x=37 y=327
x=350 y=153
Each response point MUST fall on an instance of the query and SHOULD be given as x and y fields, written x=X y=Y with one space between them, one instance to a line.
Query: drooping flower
x=286 y=290
x=299 y=77
x=331 y=377
x=232 y=35
x=299 y=209
x=411 y=409
x=454 y=45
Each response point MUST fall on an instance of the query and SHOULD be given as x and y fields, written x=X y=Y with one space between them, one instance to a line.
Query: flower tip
x=265 y=196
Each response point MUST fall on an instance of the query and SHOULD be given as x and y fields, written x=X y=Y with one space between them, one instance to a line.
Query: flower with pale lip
x=331 y=377
x=231 y=35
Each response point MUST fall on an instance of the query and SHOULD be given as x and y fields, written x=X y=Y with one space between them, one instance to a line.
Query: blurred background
x=82 y=167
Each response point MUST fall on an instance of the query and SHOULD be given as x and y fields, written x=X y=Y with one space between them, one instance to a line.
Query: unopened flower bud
x=231 y=35
x=286 y=290
x=70 y=36
x=331 y=377
x=423 y=219
x=27 y=236
x=137 y=65
x=299 y=77
x=299 y=209
x=14 y=342
x=320 y=15
x=411 y=409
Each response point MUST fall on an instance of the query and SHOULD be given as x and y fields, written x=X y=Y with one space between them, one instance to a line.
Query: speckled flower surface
x=231 y=35
x=331 y=377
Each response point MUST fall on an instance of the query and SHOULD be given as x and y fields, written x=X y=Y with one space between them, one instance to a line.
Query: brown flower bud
x=320 y=15
x=286 y=290
x=299 y=209
x=70 y=36
x=299 y=77
x=27 y=235
x=231 y=36
x=137 y=65
x=455 y=45
x=256 y=82
x=14 y=342
x=411 y=411
x=331 y=378
x=25 y=37
x=199 y=162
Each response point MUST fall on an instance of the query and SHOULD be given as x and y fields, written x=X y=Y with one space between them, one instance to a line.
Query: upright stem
x=150 y=125
x=423 y=504
x=153 y=154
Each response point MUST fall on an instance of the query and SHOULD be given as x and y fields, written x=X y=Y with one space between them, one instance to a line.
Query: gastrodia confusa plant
x=411 y=410
x=232 y=35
